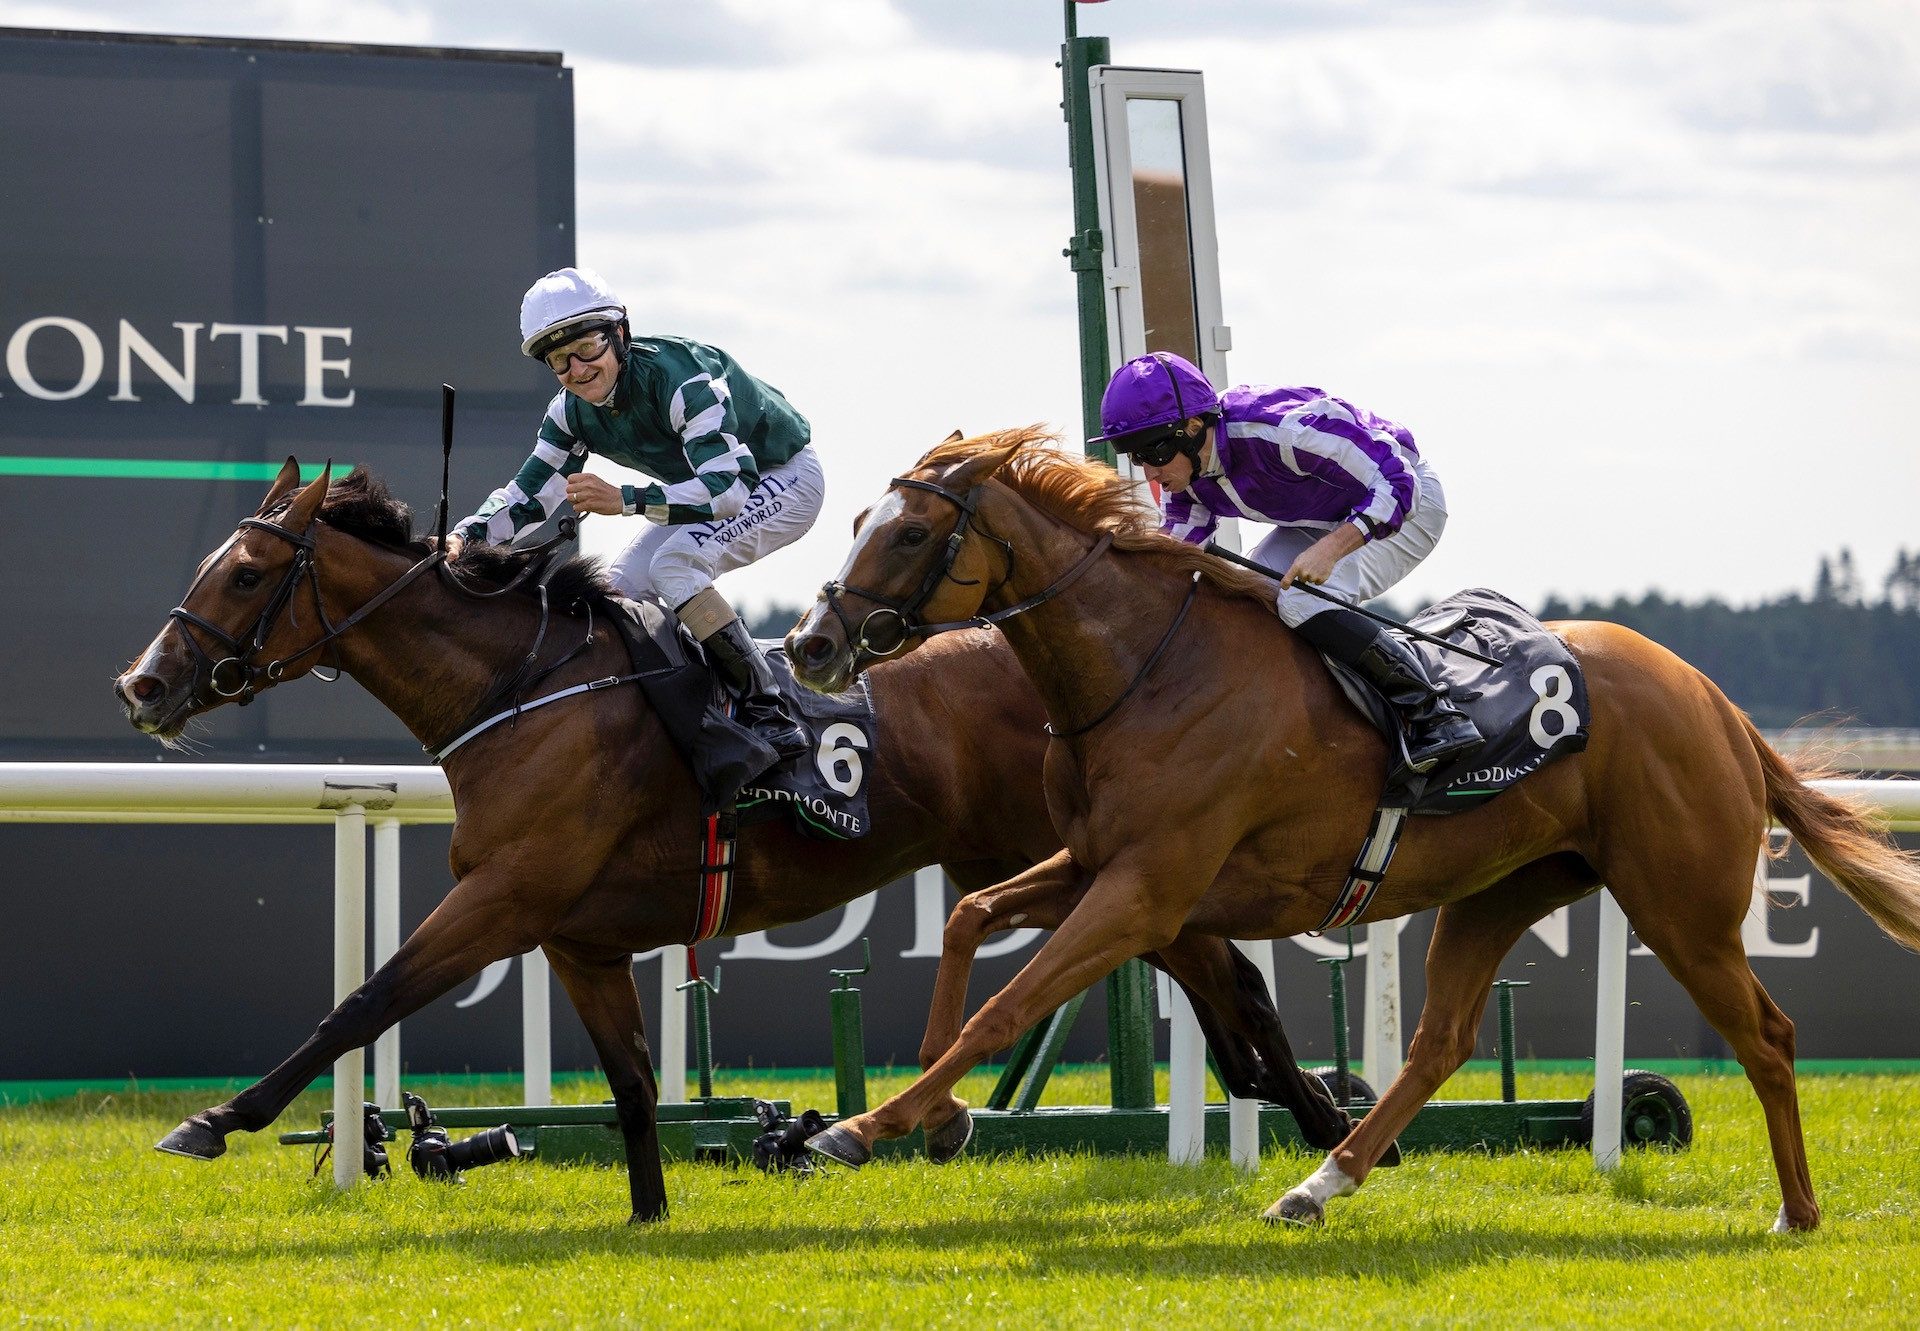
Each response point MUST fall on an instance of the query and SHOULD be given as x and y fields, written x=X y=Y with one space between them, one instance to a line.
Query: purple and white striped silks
x=1297 y=457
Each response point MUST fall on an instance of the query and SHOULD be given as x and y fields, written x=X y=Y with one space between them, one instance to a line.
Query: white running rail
x=1898 y=801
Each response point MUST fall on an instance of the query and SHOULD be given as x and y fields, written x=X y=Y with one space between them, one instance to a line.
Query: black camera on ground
x=782 y=1143
x=435 y=1155
x=374 y=1131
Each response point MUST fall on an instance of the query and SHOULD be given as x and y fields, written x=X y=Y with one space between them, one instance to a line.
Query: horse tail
x=1845 y=839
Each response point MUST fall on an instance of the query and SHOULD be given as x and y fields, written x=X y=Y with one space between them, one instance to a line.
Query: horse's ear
x=306 y=505
x=985 y=462
x=288 y=478
x=927 y=456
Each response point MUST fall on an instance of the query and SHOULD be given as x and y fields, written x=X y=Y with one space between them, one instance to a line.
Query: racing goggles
x=589 y=348
x=1155 y=448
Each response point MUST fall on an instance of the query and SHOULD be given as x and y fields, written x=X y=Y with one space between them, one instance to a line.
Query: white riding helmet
x=564 y=304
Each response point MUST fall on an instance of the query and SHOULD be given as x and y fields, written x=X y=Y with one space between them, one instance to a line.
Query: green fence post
x=1086 y=246
x=1130 y=1035
x=1505 y=988
x=1343 y=1084
x=703 y=991
x=849 y=1038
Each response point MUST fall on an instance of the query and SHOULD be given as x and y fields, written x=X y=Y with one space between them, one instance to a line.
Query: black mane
x=361 y=505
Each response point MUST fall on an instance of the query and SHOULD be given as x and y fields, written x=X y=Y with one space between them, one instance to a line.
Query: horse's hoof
x=1783 y=1224
x=950 y=1138
x=195 y=1139
x=1296 y=1208
x=839 y=1145
x=644 y=1218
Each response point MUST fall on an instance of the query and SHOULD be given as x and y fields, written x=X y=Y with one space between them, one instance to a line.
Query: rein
x=1193 y=590
x=905 y=622
x=247 y=675
x=241 y=659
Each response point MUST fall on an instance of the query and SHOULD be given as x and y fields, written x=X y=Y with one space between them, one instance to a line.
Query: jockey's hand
x=1314 y=565
x=454 y=541
x=590 y=494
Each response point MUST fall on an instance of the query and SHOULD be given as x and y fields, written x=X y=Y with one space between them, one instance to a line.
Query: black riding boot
x=747 y=673
x=1436 y=730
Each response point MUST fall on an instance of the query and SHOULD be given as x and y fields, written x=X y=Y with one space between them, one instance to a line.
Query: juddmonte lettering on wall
x=324 y=367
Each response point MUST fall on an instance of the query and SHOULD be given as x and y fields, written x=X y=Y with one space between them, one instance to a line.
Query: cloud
x=1818 y=70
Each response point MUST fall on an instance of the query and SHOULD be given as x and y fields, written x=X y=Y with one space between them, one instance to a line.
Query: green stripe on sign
x=142 y=469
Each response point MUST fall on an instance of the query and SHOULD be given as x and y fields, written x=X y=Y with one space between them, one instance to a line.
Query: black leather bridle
x=887 y=629
x=243 y=674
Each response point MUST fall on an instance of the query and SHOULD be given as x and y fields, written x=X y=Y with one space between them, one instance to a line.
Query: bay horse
x=1212 y=778
x=578 y=825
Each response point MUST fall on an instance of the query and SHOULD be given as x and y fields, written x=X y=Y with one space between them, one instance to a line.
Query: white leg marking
x=1327 y=1182
x=1780 y=1225
x=1306 y=1204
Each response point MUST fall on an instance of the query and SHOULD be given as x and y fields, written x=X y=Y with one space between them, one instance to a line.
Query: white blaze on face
x=891 y=505
x=153 y=660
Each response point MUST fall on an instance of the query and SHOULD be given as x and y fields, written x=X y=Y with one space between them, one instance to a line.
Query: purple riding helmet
x=1148 y=402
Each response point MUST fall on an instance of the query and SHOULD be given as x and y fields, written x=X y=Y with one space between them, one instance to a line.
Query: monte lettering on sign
x=41 y=359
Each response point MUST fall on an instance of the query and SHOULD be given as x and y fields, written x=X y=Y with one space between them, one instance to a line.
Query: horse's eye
x=246 y=579
x=913 y=536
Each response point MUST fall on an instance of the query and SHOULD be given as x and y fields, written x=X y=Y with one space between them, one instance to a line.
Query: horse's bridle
x=903 y=615
x=239 y=660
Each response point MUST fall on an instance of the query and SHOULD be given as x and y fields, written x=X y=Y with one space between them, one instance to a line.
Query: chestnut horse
x=1210 y=777
x=578 y=825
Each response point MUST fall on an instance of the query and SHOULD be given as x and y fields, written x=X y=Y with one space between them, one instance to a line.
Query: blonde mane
x=1091 y=497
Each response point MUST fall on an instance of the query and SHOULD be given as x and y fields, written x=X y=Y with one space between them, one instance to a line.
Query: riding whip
x=1214 y=548
x=446 y=460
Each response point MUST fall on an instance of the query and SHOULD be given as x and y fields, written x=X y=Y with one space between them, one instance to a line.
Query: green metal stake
x=1343 y=1082
x=703 y=992
x=1130 y=1035
x=849 y=1038
x=1085 y=247
x=1505 y=989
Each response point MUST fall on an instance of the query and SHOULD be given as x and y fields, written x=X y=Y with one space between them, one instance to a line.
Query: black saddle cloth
x=1532 y=708
x=825 y=790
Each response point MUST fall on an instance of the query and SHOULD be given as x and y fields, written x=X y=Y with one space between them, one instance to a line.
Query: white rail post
x=1381 y=1053
x=1609 y=1033
x=672 y=1047
x=349 y=973
x=536 y=1028
x=1243 y=1116
x=386 y=942
x=1187 y=1082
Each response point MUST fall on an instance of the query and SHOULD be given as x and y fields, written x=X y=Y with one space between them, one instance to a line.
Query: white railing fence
x=391 y=797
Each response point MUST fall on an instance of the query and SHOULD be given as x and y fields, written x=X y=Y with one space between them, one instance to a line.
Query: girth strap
x=1369 y=868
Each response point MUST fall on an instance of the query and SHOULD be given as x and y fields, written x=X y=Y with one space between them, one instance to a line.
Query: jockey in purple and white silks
x=1354 y=508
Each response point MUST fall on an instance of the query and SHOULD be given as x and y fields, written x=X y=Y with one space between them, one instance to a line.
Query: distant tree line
x=1840 y=655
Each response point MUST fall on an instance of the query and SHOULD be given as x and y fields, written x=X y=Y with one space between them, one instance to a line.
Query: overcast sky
x=1630 y=270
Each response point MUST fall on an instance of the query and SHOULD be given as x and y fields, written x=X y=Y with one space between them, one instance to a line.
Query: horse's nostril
x=817 y=649
x=145 y=688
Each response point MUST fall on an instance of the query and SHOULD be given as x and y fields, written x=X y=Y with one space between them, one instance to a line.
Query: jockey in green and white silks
x=735 y=474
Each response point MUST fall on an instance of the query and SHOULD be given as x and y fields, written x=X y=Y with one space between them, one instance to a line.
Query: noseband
x=235 y=675
x=896 y=620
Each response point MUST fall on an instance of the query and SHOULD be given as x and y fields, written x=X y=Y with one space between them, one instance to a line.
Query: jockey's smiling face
x=589 y=365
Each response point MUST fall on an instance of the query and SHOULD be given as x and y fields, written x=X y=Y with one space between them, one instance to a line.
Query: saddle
x=737 y=773
x=1531 y=709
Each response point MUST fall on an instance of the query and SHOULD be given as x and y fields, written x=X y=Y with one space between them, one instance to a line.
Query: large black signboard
x=216 y=254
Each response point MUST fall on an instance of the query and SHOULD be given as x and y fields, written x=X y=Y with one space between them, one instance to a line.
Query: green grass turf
x=98 y=1229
